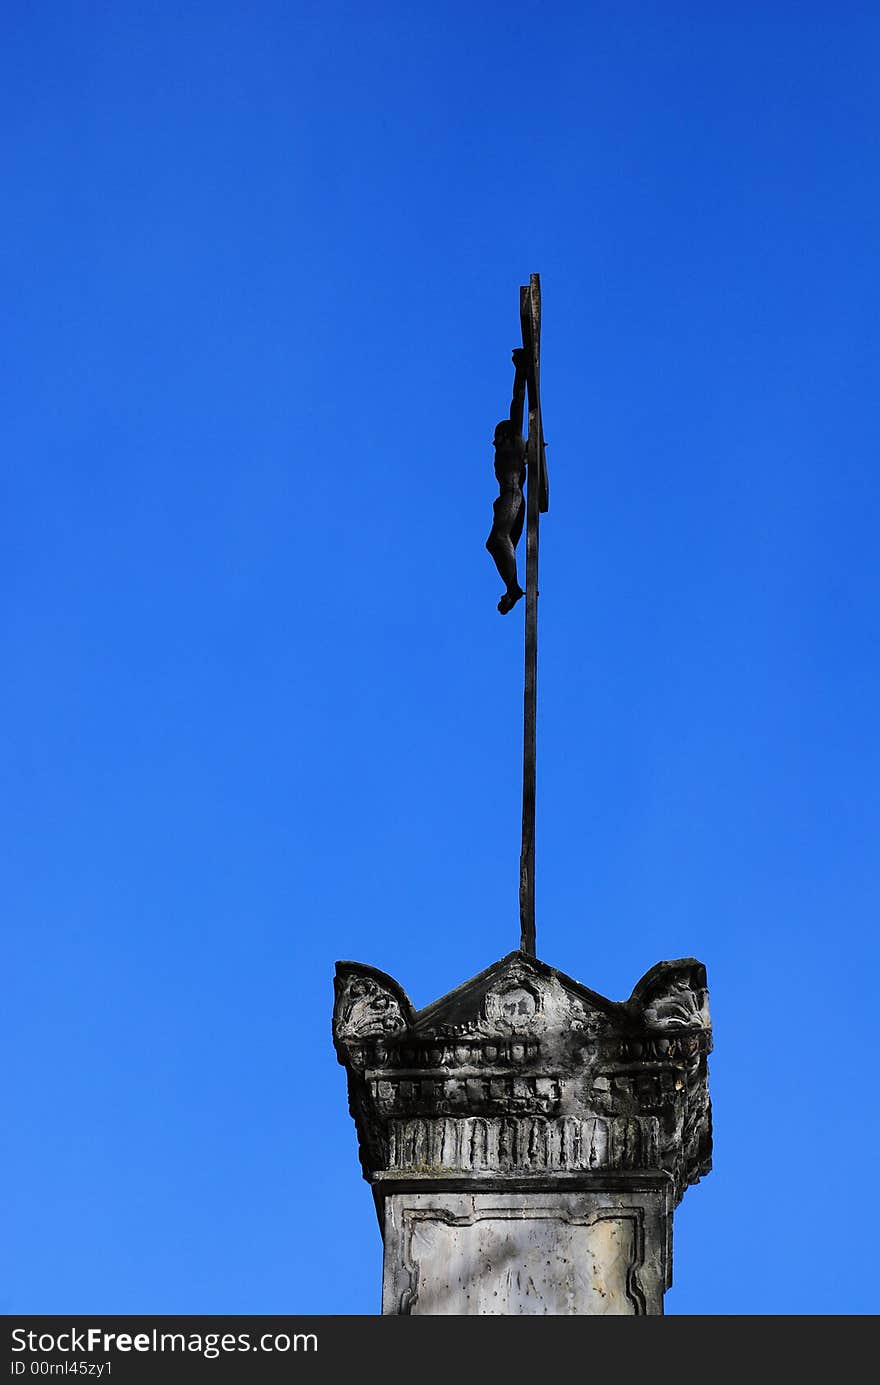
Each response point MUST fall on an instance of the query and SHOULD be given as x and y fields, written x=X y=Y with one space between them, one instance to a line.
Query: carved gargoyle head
x=674 y=995
x=368 y=1005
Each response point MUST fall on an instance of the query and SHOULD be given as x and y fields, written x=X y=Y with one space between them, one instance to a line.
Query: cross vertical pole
x=530 y=317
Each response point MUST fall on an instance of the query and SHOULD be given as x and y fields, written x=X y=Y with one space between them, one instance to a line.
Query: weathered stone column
x=525 y=1138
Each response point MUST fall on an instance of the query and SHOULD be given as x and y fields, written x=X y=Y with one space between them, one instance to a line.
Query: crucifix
x=522 y=462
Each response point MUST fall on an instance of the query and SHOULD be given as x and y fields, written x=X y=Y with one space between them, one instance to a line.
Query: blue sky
x=260 y=271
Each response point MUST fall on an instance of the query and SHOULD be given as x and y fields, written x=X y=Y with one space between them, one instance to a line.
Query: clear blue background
x=260 y=282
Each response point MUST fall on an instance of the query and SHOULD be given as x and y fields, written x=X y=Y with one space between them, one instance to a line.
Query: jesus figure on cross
x=510 y=471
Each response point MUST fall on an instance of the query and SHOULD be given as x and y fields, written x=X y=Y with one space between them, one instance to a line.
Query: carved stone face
x=517 y=1005
x=512 y=1006
x=679 y=1005
x=365 y=1009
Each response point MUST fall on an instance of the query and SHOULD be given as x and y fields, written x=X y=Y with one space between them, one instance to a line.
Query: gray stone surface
x=496 y=1253
x=527 y=1139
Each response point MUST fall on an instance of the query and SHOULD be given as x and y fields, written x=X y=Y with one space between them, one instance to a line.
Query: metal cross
x=518 y=463
x=537 y=502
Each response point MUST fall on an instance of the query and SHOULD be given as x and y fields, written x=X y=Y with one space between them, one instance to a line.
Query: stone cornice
x=523 y=1071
